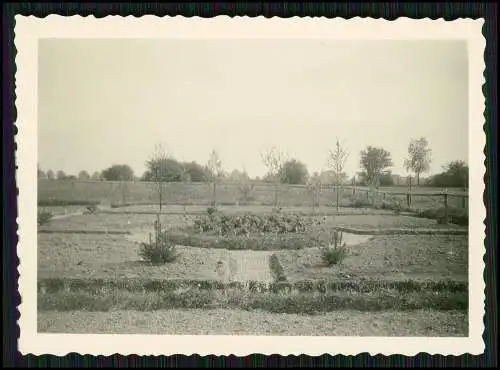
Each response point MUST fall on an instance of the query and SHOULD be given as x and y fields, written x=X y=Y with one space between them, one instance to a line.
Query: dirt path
x=250 y=265
x=234 y=322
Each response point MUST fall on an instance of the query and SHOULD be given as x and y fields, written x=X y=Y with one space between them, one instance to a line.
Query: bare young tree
x=186 y=179
x=419 y=157
x=157 y=165
x=214 y=172
x=274 y=159
x=336 y=162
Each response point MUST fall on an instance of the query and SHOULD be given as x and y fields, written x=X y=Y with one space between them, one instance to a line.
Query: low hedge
x=54 y=285
x=63 y=203
x=303 y=303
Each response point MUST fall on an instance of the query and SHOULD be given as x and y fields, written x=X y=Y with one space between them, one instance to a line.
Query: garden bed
x=393 y=257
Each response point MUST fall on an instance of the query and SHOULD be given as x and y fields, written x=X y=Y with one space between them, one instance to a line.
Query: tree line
x=375 y=165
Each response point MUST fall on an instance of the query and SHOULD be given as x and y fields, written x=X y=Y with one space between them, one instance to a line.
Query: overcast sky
x=104 y=102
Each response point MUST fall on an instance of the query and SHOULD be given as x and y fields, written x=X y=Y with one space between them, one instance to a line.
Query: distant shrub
x=336 y=250
x=44 y=217
x=394 y=206
x=246 y=190
x=455 y=215
x=359 y=201
x=159 y=250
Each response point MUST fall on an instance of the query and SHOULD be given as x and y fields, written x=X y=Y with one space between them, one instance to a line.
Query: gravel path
x=238 y=322
x=250 y=265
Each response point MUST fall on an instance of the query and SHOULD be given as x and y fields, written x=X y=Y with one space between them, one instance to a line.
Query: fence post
x=319 y=194
x=337 y=195
x=445 y=208
x=313 y=196
x=464 y=201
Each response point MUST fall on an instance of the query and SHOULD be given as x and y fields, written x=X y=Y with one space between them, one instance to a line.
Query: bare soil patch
x=396 y=257
x=80 y=255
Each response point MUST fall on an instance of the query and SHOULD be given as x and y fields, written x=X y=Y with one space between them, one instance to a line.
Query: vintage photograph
x=253 y=187
x=258 y=186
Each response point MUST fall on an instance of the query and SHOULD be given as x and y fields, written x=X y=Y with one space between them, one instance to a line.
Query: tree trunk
x=338 y=196
x=276 y=191
x=418 y=179
x=161 y=193
x=214 y=195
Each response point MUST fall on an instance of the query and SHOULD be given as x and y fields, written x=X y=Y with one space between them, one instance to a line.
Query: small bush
x=393 y=206
x=276 y=268
x=90 y=210
x=44 y=217
x=211 y=210
x=160 y=250
x=336 y=250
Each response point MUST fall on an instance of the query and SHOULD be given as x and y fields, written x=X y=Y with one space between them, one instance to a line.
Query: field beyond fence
x=74 y=192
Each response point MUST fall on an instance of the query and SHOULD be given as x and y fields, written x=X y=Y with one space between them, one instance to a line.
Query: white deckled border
x=27 y=32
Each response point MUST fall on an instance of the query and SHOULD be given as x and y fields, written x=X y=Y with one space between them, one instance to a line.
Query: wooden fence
x=313 y=196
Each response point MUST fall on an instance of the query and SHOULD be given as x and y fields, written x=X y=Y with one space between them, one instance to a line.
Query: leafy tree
x=118 y=172
x=455 y=174
x=61 y=175
x=96 y=176
x=83 y=176
x=163 y=168
x=293 y=172
x=238 y=177
x=386 y=179
x=51 y=175
x=374 y=163
x=419 y=157
x=40 y=173
x=196 y=171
